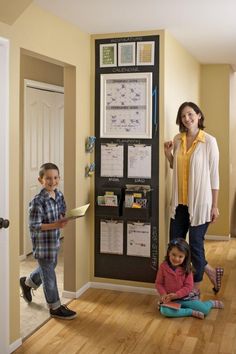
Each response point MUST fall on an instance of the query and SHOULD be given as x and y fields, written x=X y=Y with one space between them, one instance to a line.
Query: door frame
x=4 y=203
x=45 y=87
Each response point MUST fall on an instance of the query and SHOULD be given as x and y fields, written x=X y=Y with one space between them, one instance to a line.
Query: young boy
x=46 y=212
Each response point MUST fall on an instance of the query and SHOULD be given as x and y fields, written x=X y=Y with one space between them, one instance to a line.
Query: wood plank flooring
x=117 y=322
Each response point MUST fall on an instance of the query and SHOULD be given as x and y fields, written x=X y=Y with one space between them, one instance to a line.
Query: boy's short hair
x=47 y=166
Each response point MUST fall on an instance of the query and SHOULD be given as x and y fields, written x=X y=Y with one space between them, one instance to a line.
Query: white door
x=43 y=139
x=4 y=197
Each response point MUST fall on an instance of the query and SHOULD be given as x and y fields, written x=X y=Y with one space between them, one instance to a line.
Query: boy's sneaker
x=63 y=312
x=26 y=290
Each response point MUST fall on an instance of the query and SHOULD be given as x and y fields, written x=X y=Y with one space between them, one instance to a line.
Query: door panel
x=44 y=142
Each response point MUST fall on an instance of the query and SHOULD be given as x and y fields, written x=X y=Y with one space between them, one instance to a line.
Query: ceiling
x=206 y=28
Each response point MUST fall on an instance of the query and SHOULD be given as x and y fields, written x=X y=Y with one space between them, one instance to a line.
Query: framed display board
x=127 y=158
x=126 y=105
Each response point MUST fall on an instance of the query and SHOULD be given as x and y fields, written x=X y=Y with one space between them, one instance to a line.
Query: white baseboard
x=13 y=346
x=77 y=294
x=125 y=288
x=69 y=294
x=108 y=286
x=217 y=238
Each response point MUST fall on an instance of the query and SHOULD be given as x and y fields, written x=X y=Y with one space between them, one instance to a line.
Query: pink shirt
x=173 y=281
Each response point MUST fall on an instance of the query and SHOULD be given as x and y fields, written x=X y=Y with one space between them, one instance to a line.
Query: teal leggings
x=187 y=308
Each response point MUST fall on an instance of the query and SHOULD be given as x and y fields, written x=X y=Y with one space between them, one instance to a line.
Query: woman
x=194 y=157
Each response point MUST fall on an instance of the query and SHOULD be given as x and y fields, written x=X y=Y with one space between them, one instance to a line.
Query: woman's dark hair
x=47 y=166
x=182 y=246
x=197 y=110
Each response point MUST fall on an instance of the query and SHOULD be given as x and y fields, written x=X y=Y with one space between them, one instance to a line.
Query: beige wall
x=232 y=161
x=54 y=40
x=40 y=70
x=181 y=83
x=215 y=103
x=10 y=10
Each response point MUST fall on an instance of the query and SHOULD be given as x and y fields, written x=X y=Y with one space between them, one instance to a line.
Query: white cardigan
x=203 y=177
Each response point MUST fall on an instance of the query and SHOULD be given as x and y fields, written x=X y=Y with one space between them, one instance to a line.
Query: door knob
x=4 y=223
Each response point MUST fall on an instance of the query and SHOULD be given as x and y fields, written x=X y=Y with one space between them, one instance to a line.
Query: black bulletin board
x=108 y=60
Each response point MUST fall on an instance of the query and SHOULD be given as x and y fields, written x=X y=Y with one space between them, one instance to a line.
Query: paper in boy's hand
x=77 y=212
x=172 y=305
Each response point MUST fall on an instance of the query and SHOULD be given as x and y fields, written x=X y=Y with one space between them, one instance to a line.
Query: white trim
x=13 y=346
x=43 y=86
x=77 y=294
x=108 y=286
x=125 y=288
x=217 y=238
x=4 y=235
x=69 y=294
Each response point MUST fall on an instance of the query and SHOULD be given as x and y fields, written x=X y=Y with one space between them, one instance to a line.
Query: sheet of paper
x=112 y=160
x=111 y=236
x=139 y=161
x=77 y=212
x=138 y=239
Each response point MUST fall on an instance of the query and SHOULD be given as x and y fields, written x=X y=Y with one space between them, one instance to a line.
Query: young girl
x=174 y=282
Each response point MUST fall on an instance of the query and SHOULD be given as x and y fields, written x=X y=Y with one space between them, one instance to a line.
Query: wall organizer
x=127 y=158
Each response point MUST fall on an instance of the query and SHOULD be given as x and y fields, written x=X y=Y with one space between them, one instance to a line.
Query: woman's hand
x=168 y=147
x=214 y=214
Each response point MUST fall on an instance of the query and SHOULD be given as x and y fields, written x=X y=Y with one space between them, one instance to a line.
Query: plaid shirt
x=45 y=210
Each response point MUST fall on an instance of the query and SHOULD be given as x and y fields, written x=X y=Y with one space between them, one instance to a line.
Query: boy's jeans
x=45 y=274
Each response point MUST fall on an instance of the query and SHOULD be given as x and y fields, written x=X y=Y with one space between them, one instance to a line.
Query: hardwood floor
x=117 y=322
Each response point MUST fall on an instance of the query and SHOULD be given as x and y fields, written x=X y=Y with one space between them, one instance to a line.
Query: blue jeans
x=179 y=228
x=45 y=275
x=187 y=308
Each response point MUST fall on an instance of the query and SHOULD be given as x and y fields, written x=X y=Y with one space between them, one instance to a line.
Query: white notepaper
x=112 y=160
x=138 y=239
x=139 y=161
x=111 y=236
